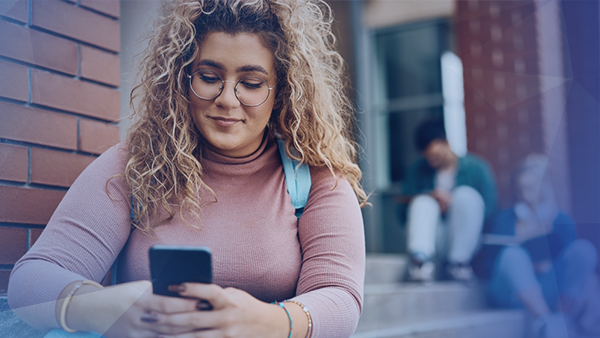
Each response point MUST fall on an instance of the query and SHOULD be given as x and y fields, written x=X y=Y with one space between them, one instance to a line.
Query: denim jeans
x=457 y=236
x=513 y=272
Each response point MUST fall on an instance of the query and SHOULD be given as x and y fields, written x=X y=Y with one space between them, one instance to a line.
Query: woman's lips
x=225 y=122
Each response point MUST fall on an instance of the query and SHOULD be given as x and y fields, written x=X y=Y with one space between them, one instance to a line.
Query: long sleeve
x=81 y=241
x=332 y=239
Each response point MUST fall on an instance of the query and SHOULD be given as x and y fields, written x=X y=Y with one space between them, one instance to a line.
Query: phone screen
x=171 y=265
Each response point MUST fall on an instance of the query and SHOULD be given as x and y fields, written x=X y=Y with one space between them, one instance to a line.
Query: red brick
x=25 y=205
x=77 y=23
x=14 y=81
x=34 y=234
x=497 y=138
x=76 y=96
x=38 y=48
x=14 y=9
x=96 y=137
x=109 y=7
x=55 y=167
x=13 y=244
x=4 y=274
x=100 y=66
x=25 y=124
x=13 y=163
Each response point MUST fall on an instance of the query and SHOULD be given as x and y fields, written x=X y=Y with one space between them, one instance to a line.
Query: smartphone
x=174 y=264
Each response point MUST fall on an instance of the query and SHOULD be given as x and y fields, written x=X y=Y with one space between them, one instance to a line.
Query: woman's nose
x=228 y=99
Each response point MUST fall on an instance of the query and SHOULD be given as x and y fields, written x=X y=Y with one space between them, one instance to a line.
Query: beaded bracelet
x=308 y=316
x=281 y=305
x=65 y=304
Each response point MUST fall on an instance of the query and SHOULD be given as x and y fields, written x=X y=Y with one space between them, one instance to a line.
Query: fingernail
x=177 y=288
x=149 y=317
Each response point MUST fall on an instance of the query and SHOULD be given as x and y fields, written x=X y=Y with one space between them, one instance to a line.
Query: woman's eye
x=252 y=84
x=209 y=79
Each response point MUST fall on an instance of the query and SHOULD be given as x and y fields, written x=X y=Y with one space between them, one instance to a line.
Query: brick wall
x=59 y=107
x=498 y=45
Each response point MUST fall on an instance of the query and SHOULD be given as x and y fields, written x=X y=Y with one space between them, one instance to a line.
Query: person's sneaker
x=552 y=325
x=462 y=273
x=423 y=272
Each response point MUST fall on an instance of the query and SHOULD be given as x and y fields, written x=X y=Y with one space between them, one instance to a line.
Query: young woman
x=543 y=267
x=220 y=81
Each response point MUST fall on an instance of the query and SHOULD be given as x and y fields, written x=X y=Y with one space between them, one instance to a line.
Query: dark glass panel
x=402 y=126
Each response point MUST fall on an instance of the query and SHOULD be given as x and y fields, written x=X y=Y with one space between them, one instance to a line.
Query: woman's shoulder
x=328 y=182
x=110 y=163
x=115 y=156
x=322 y=174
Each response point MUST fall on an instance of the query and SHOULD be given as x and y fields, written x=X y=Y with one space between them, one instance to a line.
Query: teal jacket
x=472 y=171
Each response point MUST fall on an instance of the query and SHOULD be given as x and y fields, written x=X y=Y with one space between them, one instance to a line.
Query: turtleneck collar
x=213 y=156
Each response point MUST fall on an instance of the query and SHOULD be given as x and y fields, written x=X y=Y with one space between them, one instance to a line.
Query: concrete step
x=385 y=268
x=13 y=327
x=488 y=324
x=387 y=304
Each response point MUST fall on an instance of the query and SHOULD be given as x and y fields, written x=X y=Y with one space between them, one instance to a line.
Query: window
x=407 y=90
x=409 y=83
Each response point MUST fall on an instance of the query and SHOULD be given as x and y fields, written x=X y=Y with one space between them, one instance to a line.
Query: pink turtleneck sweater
x=256 y=242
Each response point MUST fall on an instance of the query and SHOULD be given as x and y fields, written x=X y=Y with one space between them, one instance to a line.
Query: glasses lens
x=206 y=84
x=252 y=91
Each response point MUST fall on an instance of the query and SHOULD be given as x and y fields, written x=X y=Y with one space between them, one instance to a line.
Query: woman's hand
x=235 y=313
x=125 y=310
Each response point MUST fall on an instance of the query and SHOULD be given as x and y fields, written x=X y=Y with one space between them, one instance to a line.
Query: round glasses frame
x=235 y=91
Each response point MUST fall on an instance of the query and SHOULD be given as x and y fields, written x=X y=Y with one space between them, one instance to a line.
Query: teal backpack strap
x=298 y=181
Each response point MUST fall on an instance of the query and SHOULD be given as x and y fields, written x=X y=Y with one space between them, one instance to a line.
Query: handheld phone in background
x=173 y=264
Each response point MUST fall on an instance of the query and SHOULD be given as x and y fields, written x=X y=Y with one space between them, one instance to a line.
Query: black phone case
x=171 y=265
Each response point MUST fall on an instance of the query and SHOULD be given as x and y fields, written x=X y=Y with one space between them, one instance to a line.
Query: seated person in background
x=451 y=197
x=534 y=257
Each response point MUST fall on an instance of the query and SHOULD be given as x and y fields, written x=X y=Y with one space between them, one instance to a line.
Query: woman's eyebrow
x=242 y=69
x=251 y=68
x=211 y=63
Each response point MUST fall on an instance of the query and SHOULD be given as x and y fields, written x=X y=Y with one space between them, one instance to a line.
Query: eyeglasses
x=251 y=91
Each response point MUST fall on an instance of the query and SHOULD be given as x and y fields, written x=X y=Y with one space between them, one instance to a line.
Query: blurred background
x=508 y=78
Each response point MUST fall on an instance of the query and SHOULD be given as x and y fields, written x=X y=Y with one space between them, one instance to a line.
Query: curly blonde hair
x=313 y=114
